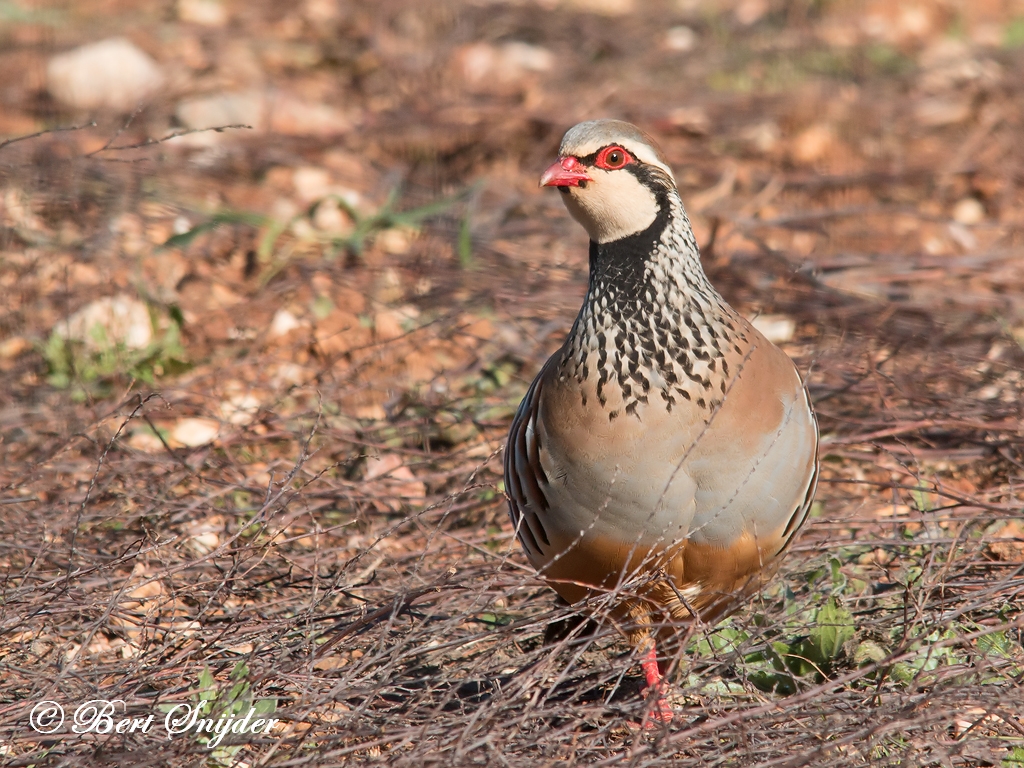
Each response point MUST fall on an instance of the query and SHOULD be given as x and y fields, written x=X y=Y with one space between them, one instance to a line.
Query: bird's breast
x=636 y=453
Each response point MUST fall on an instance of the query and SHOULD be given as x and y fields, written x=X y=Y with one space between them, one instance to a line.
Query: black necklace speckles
x=636 y=333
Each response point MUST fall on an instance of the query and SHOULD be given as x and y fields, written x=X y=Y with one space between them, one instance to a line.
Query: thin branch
x=174 y=135
x=37 y=134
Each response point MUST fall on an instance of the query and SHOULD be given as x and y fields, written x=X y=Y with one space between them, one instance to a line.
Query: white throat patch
x=612 y=206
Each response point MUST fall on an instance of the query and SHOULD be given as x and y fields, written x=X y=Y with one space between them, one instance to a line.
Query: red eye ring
x=612 y=158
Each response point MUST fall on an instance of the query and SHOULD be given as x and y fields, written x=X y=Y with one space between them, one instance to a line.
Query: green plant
x=1014 y=758
x=922 y=500
x=11 y=13
x=886 y=60
x=814 y=655
x=809 y=643
x=932 y=651
x=1013 y=35
x=230 y=703
x=465 y=248
x=365 y=226
x=92 y=368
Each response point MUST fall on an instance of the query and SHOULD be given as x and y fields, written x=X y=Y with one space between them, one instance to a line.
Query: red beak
x=565 y=172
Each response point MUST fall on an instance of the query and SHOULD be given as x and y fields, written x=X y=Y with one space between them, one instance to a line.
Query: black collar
x=622 y=263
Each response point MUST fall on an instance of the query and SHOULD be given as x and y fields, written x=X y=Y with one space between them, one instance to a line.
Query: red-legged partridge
x=667 y=454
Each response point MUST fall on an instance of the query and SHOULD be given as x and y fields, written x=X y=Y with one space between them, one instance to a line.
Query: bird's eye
x=613 y=158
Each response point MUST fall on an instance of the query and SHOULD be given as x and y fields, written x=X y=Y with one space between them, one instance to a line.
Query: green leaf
x=838 y=578
x=59 y=380
x=270 y=237
x=177 y=317
x=265 y=707
x=223 y=217
x=833 y=629
x=237 y=693
x=206 y=679
x=773 y=682
x=867 y=652
x=1013 y=35
x=1014 y=758
x=715 y=686
x=465 y=247
x=322 y=307
x=922 y=500
x=996 y=644
x=902 y=672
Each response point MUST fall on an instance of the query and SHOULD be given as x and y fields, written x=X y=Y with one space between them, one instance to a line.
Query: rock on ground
x=123 y=320
x=111 y=74
x=271 y=111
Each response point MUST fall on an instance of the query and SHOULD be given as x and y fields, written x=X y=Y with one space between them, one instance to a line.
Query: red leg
x=662 y=711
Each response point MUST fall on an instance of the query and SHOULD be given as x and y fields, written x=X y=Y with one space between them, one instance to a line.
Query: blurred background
x=867 y=149
x=274 y=277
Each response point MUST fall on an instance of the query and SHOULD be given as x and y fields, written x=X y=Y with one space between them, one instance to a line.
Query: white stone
x=111 y=74
x=284 y=209
x=776 y=328
x=109 y=321
x=968 y=211
x=289 y=375
x=680 y=38
x=238 y=108
x=935 y=246
x=207 y=13
x=394 y=241
x=764 y=135
x=273 y=111
x=181 y=225
x=945 y=50
x=948 y=64
x=330 y=218
x=938 y=111
x=990 y=35
x=283 y=322
x=291 y=116
x=145 y=441
x=532 y=58
x=195 y=432
x=240 y=408
x=690 y=119
x=321 y=11
x=311 y=183
x=989 y=392
x=813 y=143
x=505 y=63
x=205 y=543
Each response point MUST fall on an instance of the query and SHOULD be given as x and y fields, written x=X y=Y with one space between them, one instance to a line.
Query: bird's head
x=611 y=176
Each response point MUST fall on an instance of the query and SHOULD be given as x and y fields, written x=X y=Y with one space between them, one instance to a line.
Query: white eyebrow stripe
x=647 y=155
x=641 y=152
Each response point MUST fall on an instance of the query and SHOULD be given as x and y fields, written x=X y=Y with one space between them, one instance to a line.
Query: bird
x=667 y=454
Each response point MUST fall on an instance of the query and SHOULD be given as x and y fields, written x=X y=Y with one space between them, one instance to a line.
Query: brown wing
x=800 y=514
x=525 y=481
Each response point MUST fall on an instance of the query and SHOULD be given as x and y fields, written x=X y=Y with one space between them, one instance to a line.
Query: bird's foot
x=661 y=711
